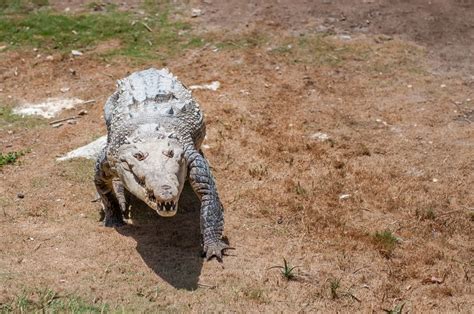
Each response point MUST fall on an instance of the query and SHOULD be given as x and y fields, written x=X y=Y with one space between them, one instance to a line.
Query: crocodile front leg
x=212 y=218
x=104 y=185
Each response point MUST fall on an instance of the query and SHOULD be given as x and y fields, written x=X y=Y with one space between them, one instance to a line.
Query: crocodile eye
x=140 y=156
x=168 y=153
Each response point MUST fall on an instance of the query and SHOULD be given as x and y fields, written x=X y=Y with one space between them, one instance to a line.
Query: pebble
x=20 y=195
x=196 y=12
x=319 y=136
x=76 y=53
x=345 y=37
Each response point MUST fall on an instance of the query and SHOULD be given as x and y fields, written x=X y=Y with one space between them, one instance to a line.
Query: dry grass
x=397 y=158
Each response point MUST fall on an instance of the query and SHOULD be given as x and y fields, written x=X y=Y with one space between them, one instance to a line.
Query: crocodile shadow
x=169 y=246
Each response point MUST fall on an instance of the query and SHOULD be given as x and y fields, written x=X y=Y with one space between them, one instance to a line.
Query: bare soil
x=397 y=107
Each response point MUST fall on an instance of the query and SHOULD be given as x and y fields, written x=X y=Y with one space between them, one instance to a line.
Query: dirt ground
x=315 y=151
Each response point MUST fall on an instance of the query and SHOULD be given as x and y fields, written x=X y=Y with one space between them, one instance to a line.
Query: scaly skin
x=212 y=220
x=154 y=106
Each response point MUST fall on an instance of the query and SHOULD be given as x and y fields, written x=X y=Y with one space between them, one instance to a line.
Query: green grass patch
x=48 y=301
x=21 y=6
x=386 y=242
x=140 y=36
x=13 y=121
x=10 y=158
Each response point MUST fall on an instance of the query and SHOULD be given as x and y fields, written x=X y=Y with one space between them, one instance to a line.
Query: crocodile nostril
x=166 y=187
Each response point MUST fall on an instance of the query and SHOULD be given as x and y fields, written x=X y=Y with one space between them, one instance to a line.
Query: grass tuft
x=386 y=242
x=48 y=301
x=300 y=190
x=396 y=310
x=258 y=171
x=334 y=285
x=10 y=158
x=287 y=271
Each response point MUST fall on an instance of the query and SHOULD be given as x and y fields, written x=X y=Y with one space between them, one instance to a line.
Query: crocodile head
x=154 y=170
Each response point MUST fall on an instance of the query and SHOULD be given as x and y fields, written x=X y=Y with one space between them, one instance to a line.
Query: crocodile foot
x=114 y=221
x=216 y=249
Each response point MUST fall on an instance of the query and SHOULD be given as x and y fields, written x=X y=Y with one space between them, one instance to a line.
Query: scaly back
x=153 y=97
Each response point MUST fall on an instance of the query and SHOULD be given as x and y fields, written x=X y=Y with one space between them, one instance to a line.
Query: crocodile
x=154 y=133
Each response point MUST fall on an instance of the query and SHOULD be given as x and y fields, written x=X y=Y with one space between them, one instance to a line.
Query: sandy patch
x=48 y=108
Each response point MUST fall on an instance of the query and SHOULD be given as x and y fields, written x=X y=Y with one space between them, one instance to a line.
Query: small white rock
x=435 y=180
x=345 y=37
x=49 y=58
x=320 y=136
x=442 y=85
x=64 y=89
x=344 y=196
x=76 y=53
x=213 y=86
x=196 y=12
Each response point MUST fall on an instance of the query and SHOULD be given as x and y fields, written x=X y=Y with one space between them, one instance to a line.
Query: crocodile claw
x=216 y=249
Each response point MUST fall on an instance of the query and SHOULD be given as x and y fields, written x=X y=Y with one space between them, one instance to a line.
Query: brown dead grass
x=392 y=129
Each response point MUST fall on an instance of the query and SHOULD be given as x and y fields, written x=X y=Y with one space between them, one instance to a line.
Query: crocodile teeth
x=167 y=206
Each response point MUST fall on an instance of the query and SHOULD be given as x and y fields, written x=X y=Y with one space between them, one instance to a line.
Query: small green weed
x=300 y=190
x=396 y=310
x=287 y=271
x=334 y=285
x=10 y=158
x=386 y=242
